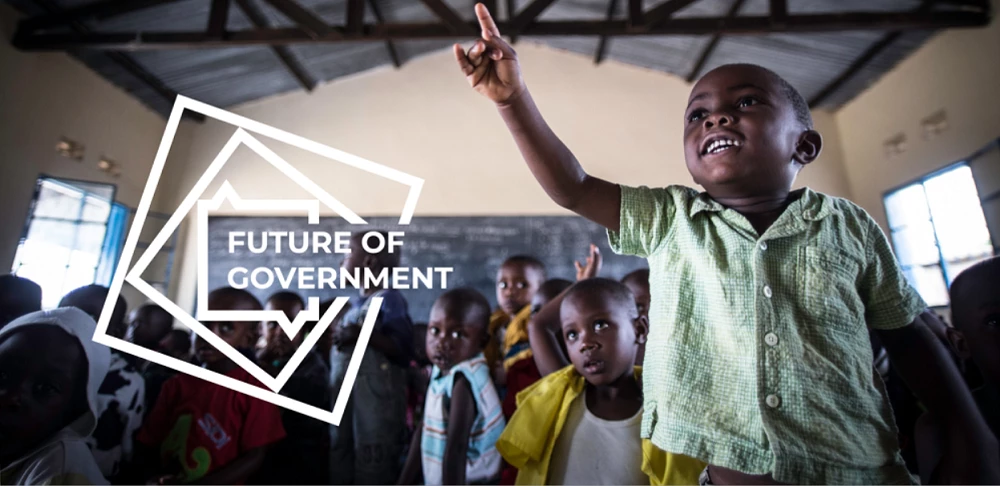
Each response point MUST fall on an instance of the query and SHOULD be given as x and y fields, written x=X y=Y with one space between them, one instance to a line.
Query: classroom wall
x=47 y=96
x=622 y=122
x=957 y=71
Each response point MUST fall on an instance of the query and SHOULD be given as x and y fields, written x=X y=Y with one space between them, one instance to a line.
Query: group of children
x=747 y=353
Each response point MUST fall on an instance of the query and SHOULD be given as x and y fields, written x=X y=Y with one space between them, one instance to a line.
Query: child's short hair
x=287 y=296
x=468 y=303
x=18 y=296
x=385 y=258
x=618 y=293
x=640 y=276
x=986 y=272
x=552 y=288
x=90 y=299
x=799 y=104
x=235 y=295
x=178 y=340
x=527 y=262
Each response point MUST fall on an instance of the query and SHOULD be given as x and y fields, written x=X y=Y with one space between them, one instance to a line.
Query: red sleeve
x=261 y=426
x=159 y=420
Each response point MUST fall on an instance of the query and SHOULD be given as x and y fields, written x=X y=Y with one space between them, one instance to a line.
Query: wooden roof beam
x=284 y=54
x=306 y=20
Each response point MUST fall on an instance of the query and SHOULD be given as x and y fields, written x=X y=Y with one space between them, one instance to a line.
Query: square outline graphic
x=241 y=136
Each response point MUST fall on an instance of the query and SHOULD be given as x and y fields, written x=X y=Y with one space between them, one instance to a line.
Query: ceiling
x=829 y=50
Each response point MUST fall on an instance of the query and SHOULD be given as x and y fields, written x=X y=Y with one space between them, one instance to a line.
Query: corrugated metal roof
x=230 y=76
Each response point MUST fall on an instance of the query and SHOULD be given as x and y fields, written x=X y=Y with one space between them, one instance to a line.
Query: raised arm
x=543 y=333
x=492 y=68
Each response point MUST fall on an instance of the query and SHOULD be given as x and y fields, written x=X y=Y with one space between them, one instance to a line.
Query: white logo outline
x=133 y=276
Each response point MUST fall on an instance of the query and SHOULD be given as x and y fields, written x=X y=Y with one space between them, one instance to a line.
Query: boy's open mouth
x=593 y=366
x=719 y=143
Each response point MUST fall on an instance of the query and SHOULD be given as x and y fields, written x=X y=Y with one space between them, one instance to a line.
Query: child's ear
x=958 y=344
x=641 y=329
x=808 y=147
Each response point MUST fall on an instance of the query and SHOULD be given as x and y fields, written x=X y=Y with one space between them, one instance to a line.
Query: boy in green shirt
x=758 y=360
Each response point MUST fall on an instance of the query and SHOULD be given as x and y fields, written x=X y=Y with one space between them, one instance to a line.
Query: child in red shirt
x=205 y=432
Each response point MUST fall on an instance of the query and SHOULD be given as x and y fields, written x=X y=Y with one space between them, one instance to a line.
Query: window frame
x=942 y=262
x=113 y=238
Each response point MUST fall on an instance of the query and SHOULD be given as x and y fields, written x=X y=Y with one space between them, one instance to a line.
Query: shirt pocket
x=828 y=280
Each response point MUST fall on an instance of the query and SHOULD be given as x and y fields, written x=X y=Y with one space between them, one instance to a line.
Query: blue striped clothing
x=482 y=463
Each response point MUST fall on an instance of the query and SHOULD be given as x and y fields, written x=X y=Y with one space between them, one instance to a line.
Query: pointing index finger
x=486 y=20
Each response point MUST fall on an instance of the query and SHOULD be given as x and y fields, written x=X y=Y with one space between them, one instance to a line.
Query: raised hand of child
x=592 y=266
x=491 y=64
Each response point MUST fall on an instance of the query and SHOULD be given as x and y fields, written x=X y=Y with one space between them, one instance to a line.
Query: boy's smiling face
x=741 y=134
x=43 y=379
x=602 y=335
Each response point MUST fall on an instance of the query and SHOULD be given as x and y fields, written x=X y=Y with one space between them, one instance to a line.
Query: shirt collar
x=811 y=206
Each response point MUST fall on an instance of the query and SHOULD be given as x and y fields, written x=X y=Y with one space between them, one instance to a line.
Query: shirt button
x=763 y=246
x=767 y=291
x=772 y=401
x=771 y=339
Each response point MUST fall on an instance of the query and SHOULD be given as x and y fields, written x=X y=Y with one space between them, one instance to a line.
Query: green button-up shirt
x=758 y=356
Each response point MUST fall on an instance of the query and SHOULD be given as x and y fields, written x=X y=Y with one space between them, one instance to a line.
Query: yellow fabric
x=530 y=437
x=492 y=352
x=510 y=360
x=516 y=332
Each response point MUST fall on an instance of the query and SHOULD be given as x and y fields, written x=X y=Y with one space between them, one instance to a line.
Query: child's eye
x=598 y=325
x=992 y=320
x=570 y=336
x=226 y=328
x=455 y=334
x=501 y=285
x=434 y=331
x=522 y=285
x=747 y=101
x=696 y=115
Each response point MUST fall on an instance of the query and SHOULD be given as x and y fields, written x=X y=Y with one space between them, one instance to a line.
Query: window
x=73 y=237
x=938 y=230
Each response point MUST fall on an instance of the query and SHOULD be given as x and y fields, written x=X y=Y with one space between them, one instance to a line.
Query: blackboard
x=474 y=246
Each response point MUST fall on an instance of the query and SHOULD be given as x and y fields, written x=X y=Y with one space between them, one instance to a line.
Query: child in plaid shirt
x=758 y=360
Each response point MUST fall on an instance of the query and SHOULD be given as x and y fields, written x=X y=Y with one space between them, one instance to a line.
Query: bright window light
x=938 y=230
x=71 y=237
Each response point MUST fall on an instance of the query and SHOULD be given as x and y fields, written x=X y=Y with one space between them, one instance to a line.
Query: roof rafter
x=297 y=70
x=449 y=17
x=125 y=62
x=874 y=50
x=389 y=46
x=741 y=25
x=734 y=10
x=306 y=20
x=602 y=44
